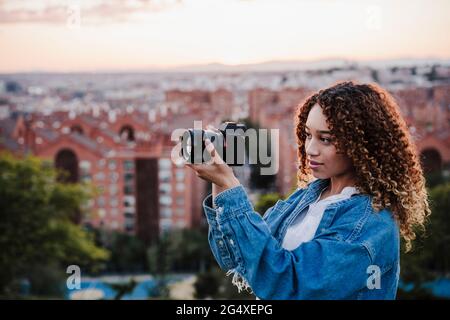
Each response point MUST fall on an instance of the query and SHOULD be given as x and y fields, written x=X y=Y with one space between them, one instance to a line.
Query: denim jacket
x=353 y=255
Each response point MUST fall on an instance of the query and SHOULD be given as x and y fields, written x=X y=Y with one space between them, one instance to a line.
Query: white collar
x=346 y=192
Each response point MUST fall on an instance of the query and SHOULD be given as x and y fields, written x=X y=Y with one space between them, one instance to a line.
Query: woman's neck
x=338 y=183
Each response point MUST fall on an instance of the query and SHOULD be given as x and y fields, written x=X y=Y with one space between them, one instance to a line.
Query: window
x=101 y=213
x=129 y=211
x=114 y=212
x=99 y=176
x=114 y=176
x=129 y=224
x=180 y=186
x=165 y=200
x=128 y=215
x=181 y=224
x=166 y=213
x=129 y=177
x=112 y=165
x=165 y=225
x=180 y=201
x=129 y=201
x=101 y=202
x=129 y=184
x=128 y=189
x=165 y=188
x=165 y=164
x=85 y=168
x=180 y=174
x=114 y=202
x=165 y=176
x=179 y=212
x=113 y=189
x=128 y=165
x=85 y=165
x=101 y=163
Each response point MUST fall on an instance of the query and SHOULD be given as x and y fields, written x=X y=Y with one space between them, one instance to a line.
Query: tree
x=160 y=260
x=430 y=258
x=266 y=201
x=36 y=228
x=214 y=284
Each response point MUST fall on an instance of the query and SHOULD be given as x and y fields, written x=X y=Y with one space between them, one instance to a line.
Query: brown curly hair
x=366 y=125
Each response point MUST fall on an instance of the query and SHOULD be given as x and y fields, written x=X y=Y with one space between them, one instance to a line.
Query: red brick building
x=127 y=156
x=426 y=110
x=276 y=110
x=127 y=153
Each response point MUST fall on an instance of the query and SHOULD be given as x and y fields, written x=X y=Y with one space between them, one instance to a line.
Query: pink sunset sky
x=96 y=35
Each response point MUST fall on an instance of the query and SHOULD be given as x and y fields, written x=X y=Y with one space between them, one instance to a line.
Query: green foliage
x=160 y=256
x=207 y=284
x=128 y=253
x=184 y=250
x=430 y=257
x=434 y=179
x=36 y=228
x=214 y=284
x=266 y=201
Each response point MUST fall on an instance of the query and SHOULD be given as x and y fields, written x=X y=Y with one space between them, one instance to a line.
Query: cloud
x=100 y=11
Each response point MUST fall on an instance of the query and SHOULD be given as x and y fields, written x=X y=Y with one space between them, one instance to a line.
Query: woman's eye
x=326 y=140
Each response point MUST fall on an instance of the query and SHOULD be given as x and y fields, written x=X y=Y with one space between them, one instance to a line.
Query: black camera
x=228 y=140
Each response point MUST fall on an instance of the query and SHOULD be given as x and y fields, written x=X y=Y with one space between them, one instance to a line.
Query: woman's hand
x=215 y=171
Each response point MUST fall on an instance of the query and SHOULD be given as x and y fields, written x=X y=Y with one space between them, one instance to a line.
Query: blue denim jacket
x=353 y=255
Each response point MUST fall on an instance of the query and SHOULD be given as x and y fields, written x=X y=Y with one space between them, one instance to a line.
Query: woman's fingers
x=216 y=159
x=210 y=127
x=193 y=166
x=210 y=148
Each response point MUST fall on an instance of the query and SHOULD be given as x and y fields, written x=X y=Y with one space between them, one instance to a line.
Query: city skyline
x=78 y=36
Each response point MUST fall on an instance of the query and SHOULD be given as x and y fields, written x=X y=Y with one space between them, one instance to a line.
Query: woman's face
x=320 y=148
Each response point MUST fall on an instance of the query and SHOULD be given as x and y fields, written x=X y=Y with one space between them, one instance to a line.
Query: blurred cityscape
x=114 y=132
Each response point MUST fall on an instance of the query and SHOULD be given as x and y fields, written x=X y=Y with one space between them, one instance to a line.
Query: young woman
x=337 y=236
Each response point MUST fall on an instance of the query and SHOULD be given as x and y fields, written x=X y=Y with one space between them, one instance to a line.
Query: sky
x=119 y=35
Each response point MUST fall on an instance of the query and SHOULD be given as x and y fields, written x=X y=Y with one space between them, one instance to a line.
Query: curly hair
x=366 y=125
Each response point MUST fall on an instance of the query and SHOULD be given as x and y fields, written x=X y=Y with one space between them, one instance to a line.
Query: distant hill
x=268 y=66
x=295 y=65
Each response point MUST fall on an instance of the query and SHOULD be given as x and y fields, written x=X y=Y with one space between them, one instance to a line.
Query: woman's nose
x=312 y=148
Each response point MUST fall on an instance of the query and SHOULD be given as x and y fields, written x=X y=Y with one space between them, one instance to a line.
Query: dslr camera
x=228 y=140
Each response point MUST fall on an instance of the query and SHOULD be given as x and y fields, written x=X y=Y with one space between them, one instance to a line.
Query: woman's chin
x=319 y=175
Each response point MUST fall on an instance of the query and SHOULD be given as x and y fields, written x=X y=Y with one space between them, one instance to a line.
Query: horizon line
x=184 y=68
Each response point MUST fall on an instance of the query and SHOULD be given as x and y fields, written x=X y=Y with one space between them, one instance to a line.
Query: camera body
x=228 y=140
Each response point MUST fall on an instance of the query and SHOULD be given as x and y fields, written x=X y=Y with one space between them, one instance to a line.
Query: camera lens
x=186 y=145
x=193 y=144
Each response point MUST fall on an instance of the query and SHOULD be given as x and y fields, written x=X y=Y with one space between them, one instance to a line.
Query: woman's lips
x=314 y=164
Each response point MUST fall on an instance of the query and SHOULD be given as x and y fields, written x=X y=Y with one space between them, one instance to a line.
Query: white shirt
x=304 y=226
